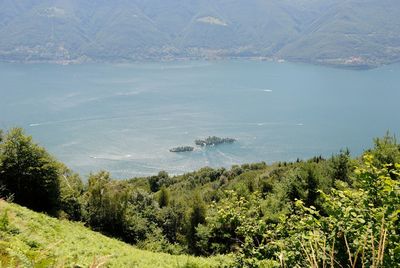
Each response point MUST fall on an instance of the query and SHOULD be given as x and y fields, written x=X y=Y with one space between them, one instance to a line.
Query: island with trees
x=213 y=140
x=182 y=149
x=210 y=141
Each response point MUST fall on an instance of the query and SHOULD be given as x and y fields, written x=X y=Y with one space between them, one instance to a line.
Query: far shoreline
x=330 y=63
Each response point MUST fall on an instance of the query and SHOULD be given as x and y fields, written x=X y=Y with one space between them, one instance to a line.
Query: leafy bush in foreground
x=356 y=228
x=29 y=173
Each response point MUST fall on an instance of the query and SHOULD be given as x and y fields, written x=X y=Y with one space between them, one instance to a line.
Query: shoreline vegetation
x=207 y=142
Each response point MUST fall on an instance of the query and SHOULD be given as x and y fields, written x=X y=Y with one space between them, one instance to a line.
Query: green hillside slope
x=30 y=239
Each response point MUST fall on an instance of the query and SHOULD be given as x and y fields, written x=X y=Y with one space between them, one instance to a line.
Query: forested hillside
x=336 y=212
x=351 y=33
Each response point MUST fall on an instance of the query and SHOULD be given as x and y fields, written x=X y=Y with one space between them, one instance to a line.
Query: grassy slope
x=66 y=244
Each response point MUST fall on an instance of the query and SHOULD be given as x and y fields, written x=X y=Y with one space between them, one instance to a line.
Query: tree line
x=322 y=212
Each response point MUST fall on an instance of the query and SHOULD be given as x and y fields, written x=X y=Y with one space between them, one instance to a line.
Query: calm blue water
x=125 y=117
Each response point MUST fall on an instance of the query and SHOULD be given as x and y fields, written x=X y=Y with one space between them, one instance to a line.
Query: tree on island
x=213 y=140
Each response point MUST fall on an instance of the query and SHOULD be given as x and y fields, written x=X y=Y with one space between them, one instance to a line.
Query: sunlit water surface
x=124 y=118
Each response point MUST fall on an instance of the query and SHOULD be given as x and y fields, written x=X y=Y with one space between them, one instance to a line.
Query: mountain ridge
x=347 y=33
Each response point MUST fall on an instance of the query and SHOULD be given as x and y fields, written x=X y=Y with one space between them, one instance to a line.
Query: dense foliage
x=336 y=212
x=28 y=173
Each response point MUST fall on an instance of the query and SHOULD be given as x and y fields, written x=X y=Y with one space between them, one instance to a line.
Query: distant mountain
x=342 y=32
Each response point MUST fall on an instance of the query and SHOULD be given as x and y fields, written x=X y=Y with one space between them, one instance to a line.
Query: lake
x=124 y=118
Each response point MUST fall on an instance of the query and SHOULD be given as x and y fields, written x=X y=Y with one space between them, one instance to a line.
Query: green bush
x=360 y=228
x=29 y=173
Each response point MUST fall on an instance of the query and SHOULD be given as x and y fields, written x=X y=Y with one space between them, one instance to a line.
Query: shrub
x=361 y=227
x=29 y=173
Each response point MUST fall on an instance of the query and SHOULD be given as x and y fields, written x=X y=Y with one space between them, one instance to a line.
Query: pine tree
x=163 y=199
x=197 y=216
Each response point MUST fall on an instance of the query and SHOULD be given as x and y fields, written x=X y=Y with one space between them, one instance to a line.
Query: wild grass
x=30 y=239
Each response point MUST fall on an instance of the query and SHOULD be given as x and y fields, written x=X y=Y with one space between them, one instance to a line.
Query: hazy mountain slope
x=349 y=29
x=260 y=25
x=43 y=32
x=124 y=33
x=329 y=31
x=171 y=17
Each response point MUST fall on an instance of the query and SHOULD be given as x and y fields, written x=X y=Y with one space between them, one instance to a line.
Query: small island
x=212 y=141
x=182 y=149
